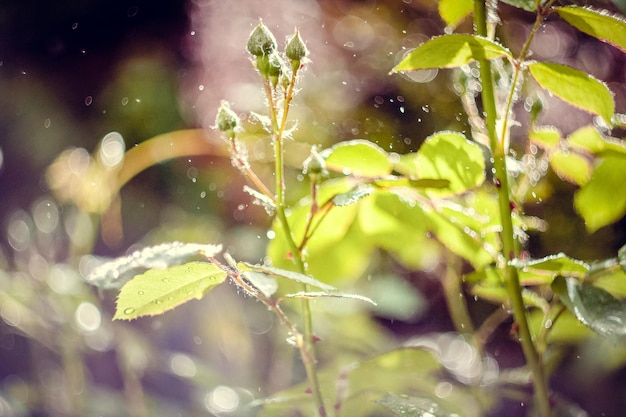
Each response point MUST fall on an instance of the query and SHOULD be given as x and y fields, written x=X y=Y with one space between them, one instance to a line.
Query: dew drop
x=129 y=311
x=139 y=292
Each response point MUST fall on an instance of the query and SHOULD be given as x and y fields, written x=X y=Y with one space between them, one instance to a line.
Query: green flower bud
x=226 y=120
x=296 y=49
x=261 y=41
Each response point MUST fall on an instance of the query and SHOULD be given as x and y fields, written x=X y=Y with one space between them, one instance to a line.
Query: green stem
x=509 y=249
x=455 y=297
x=307 y=348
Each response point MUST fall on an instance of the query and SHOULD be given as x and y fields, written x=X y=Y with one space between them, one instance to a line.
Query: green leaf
x=451 y=51
x=409 y=369
x=571 y=166
x=114 y=274
x=394 y=181
x=545 y=137
x=448 y=156
x=588 y=139
x=283 y=273
x=613 y=281
x=319 y=294
x=159 y=290
x=265 y=283
x=575 y=87
x=594 y=307
x=544 y=270
x=600 y=201
x=459 y=238
x=352 y=196
x=406 y=406
x=454 y=11
x=359 y=158
x=528 y=5
x=597 y=23
x=567 y=329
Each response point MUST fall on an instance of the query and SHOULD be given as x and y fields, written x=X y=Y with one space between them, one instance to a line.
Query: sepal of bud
x=275 y=68
x=315 y=165
x=261 y=41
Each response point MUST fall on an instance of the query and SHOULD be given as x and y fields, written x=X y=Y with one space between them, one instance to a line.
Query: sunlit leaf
x=159 y=290
x=588 y=139
x=449 y=156
x=613 y=282
x=571 y=166
x=394 y=181
x=399 y=229
x=498 y=294
x=353 y=195
x=406 y=406
x=544 y=270
x=575 y=87
x=597 y=23
x=460 y=239
x=594 y=307
x=334 y=240
x=546 y=137
x=599 y=201
x=359 y=158
x=454 y=11
x=114 y=274
x=566 y=329
x=451 y=51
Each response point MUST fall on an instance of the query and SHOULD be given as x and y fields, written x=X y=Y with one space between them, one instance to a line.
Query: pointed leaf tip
x=597 y=23
x=575 y=87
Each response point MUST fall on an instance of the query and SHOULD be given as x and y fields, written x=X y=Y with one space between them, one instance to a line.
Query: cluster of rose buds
x=271 y=65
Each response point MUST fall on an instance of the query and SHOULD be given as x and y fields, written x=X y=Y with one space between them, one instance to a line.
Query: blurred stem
x=161 y=148
x=455 y=297
x=307 y=349
x=74 y=370
x=499 y=151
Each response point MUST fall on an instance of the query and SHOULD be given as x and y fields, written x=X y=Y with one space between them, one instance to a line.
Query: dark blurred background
x=72 y=72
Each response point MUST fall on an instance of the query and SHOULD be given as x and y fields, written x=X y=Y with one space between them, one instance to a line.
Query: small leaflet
x=316 y=294
x=283 y=273
x=352 y=196
x=261 y=199
x=117 y=272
